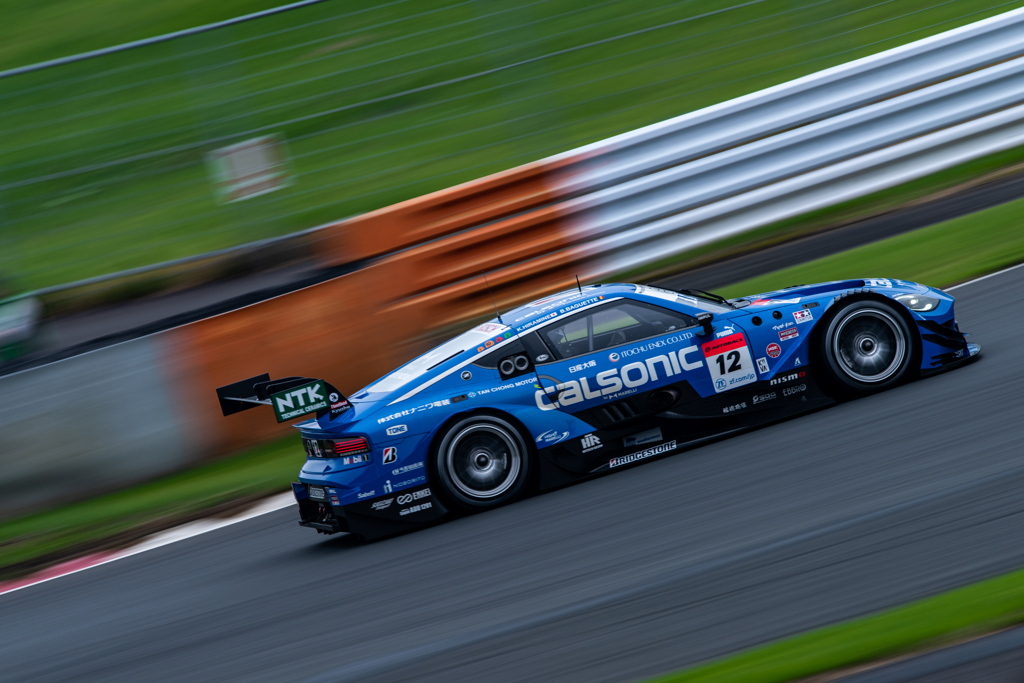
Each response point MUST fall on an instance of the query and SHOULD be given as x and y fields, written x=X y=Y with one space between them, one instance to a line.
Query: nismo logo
x=611 y=382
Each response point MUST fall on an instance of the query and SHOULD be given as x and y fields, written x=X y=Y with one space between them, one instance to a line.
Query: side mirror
x=705 y=322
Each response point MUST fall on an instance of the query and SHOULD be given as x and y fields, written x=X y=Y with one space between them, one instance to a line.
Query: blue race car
x=590 y=381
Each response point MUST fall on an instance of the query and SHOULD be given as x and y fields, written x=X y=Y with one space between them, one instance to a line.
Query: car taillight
x=351 y=446
x=349 y=451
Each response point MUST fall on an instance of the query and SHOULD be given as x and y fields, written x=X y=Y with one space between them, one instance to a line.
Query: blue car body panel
x=754 y=368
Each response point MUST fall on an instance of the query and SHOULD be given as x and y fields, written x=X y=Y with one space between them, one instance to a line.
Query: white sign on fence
x=250 y=168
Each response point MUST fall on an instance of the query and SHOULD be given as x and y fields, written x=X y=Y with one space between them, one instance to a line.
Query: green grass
x=939 y=255
x=129 y=513
x=373 y=100
x=938 y=620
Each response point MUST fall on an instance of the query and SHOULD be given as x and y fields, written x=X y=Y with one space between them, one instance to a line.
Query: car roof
x=554 y=305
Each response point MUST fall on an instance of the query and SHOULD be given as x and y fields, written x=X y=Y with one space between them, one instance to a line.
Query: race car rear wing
x=290 y=397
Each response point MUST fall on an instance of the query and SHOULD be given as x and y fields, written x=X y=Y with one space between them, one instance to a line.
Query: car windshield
x=690 y=297
x=480 y=337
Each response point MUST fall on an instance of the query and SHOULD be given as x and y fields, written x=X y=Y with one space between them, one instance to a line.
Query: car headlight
x=916 y=302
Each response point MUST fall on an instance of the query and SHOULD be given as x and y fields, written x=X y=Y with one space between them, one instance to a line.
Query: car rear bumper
x=384 y=516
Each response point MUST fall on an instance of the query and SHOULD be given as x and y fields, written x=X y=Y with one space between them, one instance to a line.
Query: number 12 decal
x=730 y=362
x=734 y=360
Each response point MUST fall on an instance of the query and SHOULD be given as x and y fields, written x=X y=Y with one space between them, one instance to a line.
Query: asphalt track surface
x=805 y=523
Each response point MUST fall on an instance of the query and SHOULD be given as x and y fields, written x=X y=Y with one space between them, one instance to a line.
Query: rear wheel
x=482 y=462
x=867 y=347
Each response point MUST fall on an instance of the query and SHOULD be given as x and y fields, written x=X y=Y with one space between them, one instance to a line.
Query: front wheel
x=867 y=347
x=481 y=462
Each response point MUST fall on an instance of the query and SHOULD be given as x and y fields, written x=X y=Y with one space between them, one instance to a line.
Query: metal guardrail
x=816 y=97
x=818 y=141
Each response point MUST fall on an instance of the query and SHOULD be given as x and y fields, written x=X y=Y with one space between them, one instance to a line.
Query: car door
x=621 y=367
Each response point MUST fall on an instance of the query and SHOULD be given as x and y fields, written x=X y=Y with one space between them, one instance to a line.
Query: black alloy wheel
x=481 y=462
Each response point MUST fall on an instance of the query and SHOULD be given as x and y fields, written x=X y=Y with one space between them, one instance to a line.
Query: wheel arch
x=853 y=296
x=524 y=434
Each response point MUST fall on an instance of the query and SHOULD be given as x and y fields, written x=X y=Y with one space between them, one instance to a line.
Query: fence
x=105 y=164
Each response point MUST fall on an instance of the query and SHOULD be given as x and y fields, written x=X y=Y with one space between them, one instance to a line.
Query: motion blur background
x=105 y=162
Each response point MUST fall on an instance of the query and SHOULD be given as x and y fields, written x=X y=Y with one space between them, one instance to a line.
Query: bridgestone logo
x=656 y=450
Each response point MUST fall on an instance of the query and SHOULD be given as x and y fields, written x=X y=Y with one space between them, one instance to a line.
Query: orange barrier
x=438 y=214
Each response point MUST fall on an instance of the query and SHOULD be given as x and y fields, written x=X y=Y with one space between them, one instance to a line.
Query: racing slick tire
x=867 y=346
x=481 y=462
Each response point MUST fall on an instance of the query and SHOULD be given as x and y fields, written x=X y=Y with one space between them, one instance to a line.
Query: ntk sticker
x=802 y=316
x=791 y=333
x=730 y=362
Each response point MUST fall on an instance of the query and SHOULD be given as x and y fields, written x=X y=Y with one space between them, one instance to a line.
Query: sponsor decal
x=466 y=374
x=382 y=504
x=796 y=361
x=649 y=436
x=316 y=493
x=730 y=362
x=583 y=366
x=782 y=326
x=303 y=400
x=803 y=316
x=396 y=430
x=552 y=436
x=333 y=397
x=732 y=409
x=472 y=394
x=774 y=302
x=590 y=443
x=367 y=494
x=338 y=407
x=406 y=468
x=613 y=357
x=410 y=482
x=773 y=350
x=657 y=344
x=762 y=366
x=390 y=455
x=789 y=377
x=878 y=283
x=416 y=508
x=761 y=398
x=541 y=358
x=640 y=455
x=791 y=333
x=413 y=495
x=418 y=409
x=796 y=389
x=387 y=486
x=625 y=380
x=460 y=398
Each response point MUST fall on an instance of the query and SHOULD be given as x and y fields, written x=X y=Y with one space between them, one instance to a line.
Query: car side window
x=619 y=323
